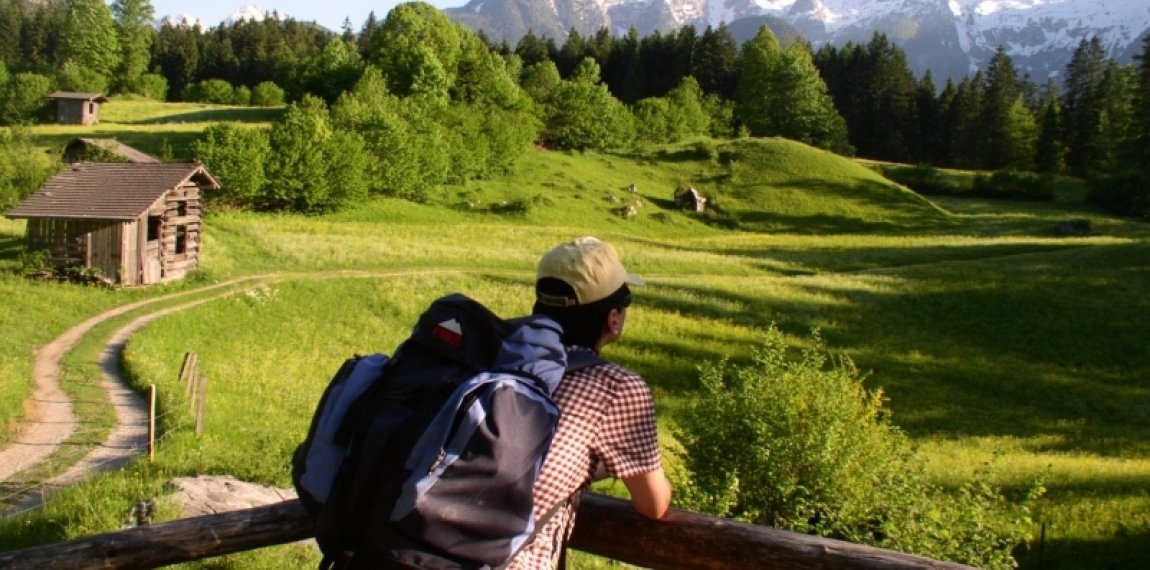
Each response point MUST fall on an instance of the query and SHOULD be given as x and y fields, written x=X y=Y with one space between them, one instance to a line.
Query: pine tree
x=178 y=55
x=757 y=92
x=714 y=62
x=531 y=49
x=874 y=89
x=89 y=42
x=929 y=141
x=1050 y=152
x=780 y=93
x=1006 y=131
x=809 y=114
x=11 y=24
x=1138 y=145
x=136 y=35
x=1117 y=115
x=572 y=52
x=622 y=72
x=1083 y=105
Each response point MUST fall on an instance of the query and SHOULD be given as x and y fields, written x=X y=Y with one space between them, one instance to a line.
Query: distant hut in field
x=137 y=223
x=77 y=108
x=688 y=198
x=104 y=150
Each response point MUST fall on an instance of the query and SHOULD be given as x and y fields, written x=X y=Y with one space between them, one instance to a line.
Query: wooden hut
x=103 y=150
x=77 y=108
x=137 y=223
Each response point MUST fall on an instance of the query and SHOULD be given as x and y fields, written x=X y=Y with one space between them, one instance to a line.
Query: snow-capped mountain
x=950 y=37
x=249 y=12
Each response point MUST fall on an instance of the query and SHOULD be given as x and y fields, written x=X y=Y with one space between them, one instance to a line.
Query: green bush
x=241 y=95
x=804 y=446
x=22 y=97
x=213 y=91
x=923 y=179
x=1125 y=193
x=23 y=169
x=153 y=86
x=1009 y=184
x=267 y=94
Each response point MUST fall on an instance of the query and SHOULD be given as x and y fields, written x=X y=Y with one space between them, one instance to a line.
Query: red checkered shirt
x=607 y=427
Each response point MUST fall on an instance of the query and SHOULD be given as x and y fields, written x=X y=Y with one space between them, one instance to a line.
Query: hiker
x=607 y=423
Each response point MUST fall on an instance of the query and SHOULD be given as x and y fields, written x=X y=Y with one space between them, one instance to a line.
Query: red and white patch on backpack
x=450 y=332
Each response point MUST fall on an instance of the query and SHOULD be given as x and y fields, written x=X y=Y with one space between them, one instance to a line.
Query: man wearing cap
x=607 y=425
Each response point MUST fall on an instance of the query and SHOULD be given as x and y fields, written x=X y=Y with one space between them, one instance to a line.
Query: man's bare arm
x=650 y=493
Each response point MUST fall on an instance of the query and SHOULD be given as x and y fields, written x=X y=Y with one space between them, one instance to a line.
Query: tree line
x=443 y=84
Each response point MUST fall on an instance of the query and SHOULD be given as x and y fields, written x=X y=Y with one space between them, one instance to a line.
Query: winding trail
x=52 y=421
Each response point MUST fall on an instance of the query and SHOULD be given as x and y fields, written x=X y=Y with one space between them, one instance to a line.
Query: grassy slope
x=991 y=337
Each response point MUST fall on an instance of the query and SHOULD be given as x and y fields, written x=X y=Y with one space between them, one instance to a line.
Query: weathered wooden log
x=611 y=528
x=607 y=527
x=166 y=543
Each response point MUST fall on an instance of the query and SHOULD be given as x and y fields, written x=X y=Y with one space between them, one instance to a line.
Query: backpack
x=428 y=458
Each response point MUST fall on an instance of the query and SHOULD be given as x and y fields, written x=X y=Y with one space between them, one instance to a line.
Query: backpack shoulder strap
x=580 y=358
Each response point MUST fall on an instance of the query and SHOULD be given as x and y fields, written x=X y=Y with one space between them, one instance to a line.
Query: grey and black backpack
x=427 y=458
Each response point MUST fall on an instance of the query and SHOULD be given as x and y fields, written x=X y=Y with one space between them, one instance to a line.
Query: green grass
x=165 y=130
x=995 y=341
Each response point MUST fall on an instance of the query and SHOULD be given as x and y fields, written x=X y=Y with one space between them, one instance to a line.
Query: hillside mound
x=781 y=185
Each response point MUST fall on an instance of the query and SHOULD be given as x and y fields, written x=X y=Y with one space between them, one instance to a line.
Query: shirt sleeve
x=629 y=440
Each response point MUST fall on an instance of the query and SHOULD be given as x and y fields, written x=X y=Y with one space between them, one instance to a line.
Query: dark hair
x=582 y=324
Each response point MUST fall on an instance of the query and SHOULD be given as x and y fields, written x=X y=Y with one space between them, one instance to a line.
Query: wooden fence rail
x=607 y=527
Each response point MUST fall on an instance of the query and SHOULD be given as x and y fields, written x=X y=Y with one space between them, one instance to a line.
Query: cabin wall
x=77 y=112
x=181 y=213
x=88 y=243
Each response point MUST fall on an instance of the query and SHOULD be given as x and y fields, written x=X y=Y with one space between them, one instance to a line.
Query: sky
x=327 y=13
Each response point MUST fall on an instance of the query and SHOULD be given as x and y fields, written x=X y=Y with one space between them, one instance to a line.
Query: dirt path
x=52 y=421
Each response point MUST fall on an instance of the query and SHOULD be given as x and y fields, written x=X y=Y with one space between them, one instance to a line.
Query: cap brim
x=633 y=279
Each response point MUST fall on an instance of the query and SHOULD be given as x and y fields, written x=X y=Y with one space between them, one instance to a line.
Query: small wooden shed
x=77 y=108
x=138 y=223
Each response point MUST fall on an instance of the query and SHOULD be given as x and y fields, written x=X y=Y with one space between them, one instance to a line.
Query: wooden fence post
x=151 y=423
x=201 y=402
x=188 y=371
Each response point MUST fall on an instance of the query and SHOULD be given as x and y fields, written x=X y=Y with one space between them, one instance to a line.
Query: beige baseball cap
x=590 y=266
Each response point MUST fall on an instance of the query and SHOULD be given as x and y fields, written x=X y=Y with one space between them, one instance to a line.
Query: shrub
x=804 y=446
x=22 y=97
x=267 y=94
x=1008 y=184
x=923 y=178
x=1125 y=193
x=241 y=95
x=153 y=86
x=211 y=91
x=23 y=169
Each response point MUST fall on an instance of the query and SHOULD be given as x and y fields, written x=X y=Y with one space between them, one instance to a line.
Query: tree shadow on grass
x=213 y=115
x=1048 y=345
x=1126 y=551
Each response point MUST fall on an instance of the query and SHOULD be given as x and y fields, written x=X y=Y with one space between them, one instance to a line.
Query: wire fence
x=21 y=498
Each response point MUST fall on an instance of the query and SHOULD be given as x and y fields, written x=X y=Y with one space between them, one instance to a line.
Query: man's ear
x=615 y=322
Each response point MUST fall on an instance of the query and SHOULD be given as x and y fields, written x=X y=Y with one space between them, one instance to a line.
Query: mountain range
x=952 y=38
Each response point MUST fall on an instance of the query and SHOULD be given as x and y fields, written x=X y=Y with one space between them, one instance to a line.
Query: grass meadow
x=1000 y=346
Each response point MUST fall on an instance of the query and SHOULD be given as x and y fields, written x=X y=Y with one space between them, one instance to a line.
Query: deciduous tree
x=136 y=34
x=89 y=41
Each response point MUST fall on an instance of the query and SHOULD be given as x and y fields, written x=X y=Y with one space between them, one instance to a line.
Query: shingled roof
x=108 y=191
x=113 y=146
x=97 y=97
